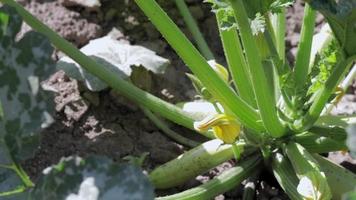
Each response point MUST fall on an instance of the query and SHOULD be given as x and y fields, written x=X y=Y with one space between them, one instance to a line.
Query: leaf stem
x=263 y=92
x=237 y=151
x=194 y=29
x=280 y=28
x=304 y=48
x=169 y=132
x=236 y=62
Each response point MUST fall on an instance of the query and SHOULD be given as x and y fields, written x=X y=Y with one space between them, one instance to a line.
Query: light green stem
x=263 y=91
x=280 y=34
x=237 y=151
x=169 y=132
x=236 y=62
x=194 y=29
x=304 y=49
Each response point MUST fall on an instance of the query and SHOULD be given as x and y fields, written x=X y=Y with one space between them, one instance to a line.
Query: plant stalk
x=194 y=29
x=263 y=92
x=280 y=28
x=169 y=132
x=305 y=45
x=236 y=62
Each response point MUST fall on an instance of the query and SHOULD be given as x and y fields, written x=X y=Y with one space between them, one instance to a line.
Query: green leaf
x=312 y=180
x=24 y=65
x=117 y=57
x=341 y=15
x=279 y=5
x=25 y=108
x=9 y=182
x=285 y=175
x=93 y=178
x=340 y=179
x=351 y=139
x=258 y=24
x=349 y=195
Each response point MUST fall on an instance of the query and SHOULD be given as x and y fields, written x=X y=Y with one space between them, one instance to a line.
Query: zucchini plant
x=268 y=114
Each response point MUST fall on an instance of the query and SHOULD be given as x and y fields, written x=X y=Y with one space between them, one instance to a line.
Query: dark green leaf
x=91 y=179
x=24 y=65
x=25 y=108
x=349 y=196
x=341 y=15
x=9 y=182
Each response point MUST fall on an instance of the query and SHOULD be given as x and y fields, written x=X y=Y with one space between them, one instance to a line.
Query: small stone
x=88 y=4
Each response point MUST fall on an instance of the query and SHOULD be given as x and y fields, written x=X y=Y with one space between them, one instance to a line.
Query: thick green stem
x=125 y=88
x=194 y=29
x=263 y=92
x=23 y=175
x=285 y=175
x=280 y=31
x=199 y=66
x=237 y=151
x=303 y=55
x=324 y=94
x=169 y=132
x=192 y=163
x=236 y=62
x=222 y=183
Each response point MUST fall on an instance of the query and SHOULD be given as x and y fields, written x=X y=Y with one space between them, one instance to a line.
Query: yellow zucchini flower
x=225 y=128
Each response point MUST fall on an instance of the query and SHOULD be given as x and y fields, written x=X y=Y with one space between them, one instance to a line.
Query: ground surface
x=107 y=124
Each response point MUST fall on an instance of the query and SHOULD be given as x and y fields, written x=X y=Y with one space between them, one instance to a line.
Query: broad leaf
x=9 y=182
x=116 y=57
x=25 y=108
x=91 y=179
x=341 y=16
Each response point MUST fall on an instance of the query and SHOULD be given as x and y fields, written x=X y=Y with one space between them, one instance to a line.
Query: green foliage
x=302 y=97
x=25 y=107
x=324 y=63
x=341 y=15
x=93 y=178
